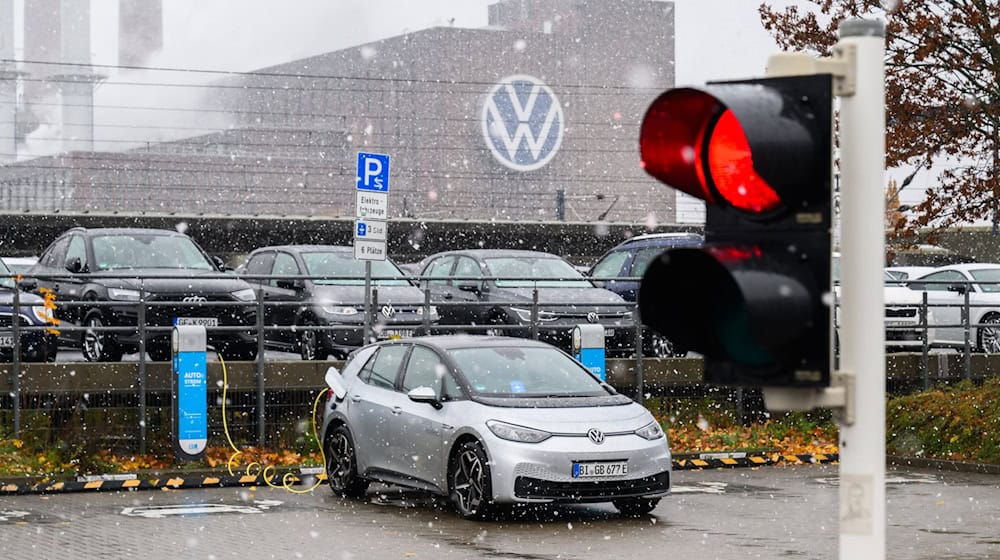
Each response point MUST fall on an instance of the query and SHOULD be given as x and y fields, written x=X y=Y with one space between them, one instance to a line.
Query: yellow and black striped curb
x=177 y=482
x=734 y=460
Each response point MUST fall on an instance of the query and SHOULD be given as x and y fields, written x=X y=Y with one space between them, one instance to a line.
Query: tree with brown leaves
x=942 y=93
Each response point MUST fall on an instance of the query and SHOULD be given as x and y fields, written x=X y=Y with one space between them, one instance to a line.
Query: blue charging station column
x=588 y=348
x=190 y=392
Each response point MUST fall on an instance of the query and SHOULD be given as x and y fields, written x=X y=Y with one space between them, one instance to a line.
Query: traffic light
x=756 y=299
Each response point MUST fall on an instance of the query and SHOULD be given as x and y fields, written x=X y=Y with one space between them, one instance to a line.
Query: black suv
x=323 y=286
x=497 y=287
x=626 y=262
x=99 y=276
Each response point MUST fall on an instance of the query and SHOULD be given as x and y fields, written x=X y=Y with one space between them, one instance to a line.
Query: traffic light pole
x=862 y=336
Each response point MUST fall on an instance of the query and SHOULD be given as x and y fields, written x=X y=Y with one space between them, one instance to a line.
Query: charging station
x=190 y=391
x=588 y=348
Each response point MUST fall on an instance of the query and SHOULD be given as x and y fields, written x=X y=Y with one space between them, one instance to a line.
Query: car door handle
x=356 y=398
x=397 y=410
x=448 y=296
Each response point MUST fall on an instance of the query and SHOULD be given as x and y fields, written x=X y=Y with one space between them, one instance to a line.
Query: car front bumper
x=543 y=472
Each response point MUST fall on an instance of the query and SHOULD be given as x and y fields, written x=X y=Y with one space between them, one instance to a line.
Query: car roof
x=307 y=248
x=455 y=341
x=121 y=231
x=661 y=240
x=494 y=253
x=964 y=267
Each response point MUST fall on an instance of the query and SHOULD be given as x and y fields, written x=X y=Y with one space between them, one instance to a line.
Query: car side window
x=642 y=258
x=284 y=265
x=610 y=266
x=260 y=264
x=467 y=267
x=54 y=257
x=77 y=248
x=439 y=270
x=942 y=280
x=451 y=390
x=424 y=369
x=382 y=369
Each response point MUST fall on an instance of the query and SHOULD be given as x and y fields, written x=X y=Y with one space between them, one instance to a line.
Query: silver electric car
x=488 y=421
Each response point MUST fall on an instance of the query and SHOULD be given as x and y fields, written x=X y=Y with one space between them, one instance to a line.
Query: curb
x=130 y=482
x=942 y=465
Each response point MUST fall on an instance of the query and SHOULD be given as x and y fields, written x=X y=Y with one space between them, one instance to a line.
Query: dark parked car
x=629 y=259
x=37 y=345
x=335 y=300
x=495 y=287
x=101 y=272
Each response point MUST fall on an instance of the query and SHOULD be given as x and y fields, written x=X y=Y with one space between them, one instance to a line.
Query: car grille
x=901 y=312
x=590 y=490
x=6 y=323
x=226 y=314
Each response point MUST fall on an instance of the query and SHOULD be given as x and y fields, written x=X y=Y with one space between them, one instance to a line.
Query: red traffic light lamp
x=755 y=299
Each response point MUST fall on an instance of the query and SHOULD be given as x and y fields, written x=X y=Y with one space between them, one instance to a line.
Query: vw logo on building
x=388 y=311
x=522 y=123
x=595 y=435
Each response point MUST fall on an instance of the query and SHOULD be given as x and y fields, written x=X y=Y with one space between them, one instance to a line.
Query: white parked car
x=946 y=289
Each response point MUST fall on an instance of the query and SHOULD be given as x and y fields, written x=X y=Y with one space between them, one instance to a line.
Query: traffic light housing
x=756 y=299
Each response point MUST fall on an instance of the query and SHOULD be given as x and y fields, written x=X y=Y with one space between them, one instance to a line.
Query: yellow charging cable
x=268 y=472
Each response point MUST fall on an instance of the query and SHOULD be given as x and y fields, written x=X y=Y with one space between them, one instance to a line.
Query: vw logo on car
x=595 y=435
x=388 y=311
x=522 y=123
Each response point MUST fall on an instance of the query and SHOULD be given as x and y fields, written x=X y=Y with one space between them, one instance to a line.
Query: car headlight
x=650 y=431
x=511 y=432
x=525 y=314
x=123 y=294
x=245 y=295
x=340 y=310
x=41 y=313
x=434 y=311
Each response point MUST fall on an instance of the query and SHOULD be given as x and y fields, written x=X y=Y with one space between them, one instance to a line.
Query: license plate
x=197 y=321
x=6 y=341
x=395 y=334
x=600 y=468
x=899 y=324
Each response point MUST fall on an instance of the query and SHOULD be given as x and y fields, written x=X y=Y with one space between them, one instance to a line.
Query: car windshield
x=153 y=250
x=351 y=271
x=521 y=271
x=989 y=279
x=515 y=372
x=5 y=276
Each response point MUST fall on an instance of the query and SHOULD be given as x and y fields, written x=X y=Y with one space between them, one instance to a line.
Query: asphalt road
x=771 y=512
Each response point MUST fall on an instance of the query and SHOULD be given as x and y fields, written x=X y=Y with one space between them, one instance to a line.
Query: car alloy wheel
x=341 y=465
x=99 y=346
x=989 y=335
x=309 y=341
x=471 y=489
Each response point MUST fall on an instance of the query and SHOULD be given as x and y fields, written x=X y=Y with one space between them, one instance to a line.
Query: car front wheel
x=469 y=482
x=310 y=347
x=342 y=465
x=98 y=345
x=989 y=335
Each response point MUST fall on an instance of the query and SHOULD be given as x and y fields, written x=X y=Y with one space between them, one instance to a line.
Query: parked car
x=495 y=287
x=946 y=289
x=19 y=265
x=628 y=261
x=487 y=421
x=100 y=275
x=37 y=345
x=335 y=300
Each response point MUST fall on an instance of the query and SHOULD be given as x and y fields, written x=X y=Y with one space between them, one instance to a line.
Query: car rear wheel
x=342 y=466
x=98 y=345
x=469 y=482
x=159 y=351
x=989 y=335
x=634 y=507
x=659 y=346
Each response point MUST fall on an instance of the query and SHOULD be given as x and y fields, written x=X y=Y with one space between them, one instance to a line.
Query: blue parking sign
x=362 y=229
x=373 y=172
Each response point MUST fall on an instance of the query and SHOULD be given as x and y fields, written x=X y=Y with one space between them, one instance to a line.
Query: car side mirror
x=958 y=288
x=74 y=265
x=425 y=395
x=221 y=264
x=290 y=283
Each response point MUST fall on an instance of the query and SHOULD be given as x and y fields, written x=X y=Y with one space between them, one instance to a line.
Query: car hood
x=572 y=419
x=158 y=281
x=7 y=298
x=355 y=295
x=560 y=295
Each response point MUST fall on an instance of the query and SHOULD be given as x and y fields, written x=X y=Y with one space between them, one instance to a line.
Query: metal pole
x=924 y=365
x=367 y=330
x=639 y=389
x=427 y=310
x=862 y=338
x=15 y=323
x=534 y=313
x=142 y=368
x=967 y=327
x=261 y=392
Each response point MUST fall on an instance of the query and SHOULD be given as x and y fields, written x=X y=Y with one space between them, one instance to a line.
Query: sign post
x=372 y=226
